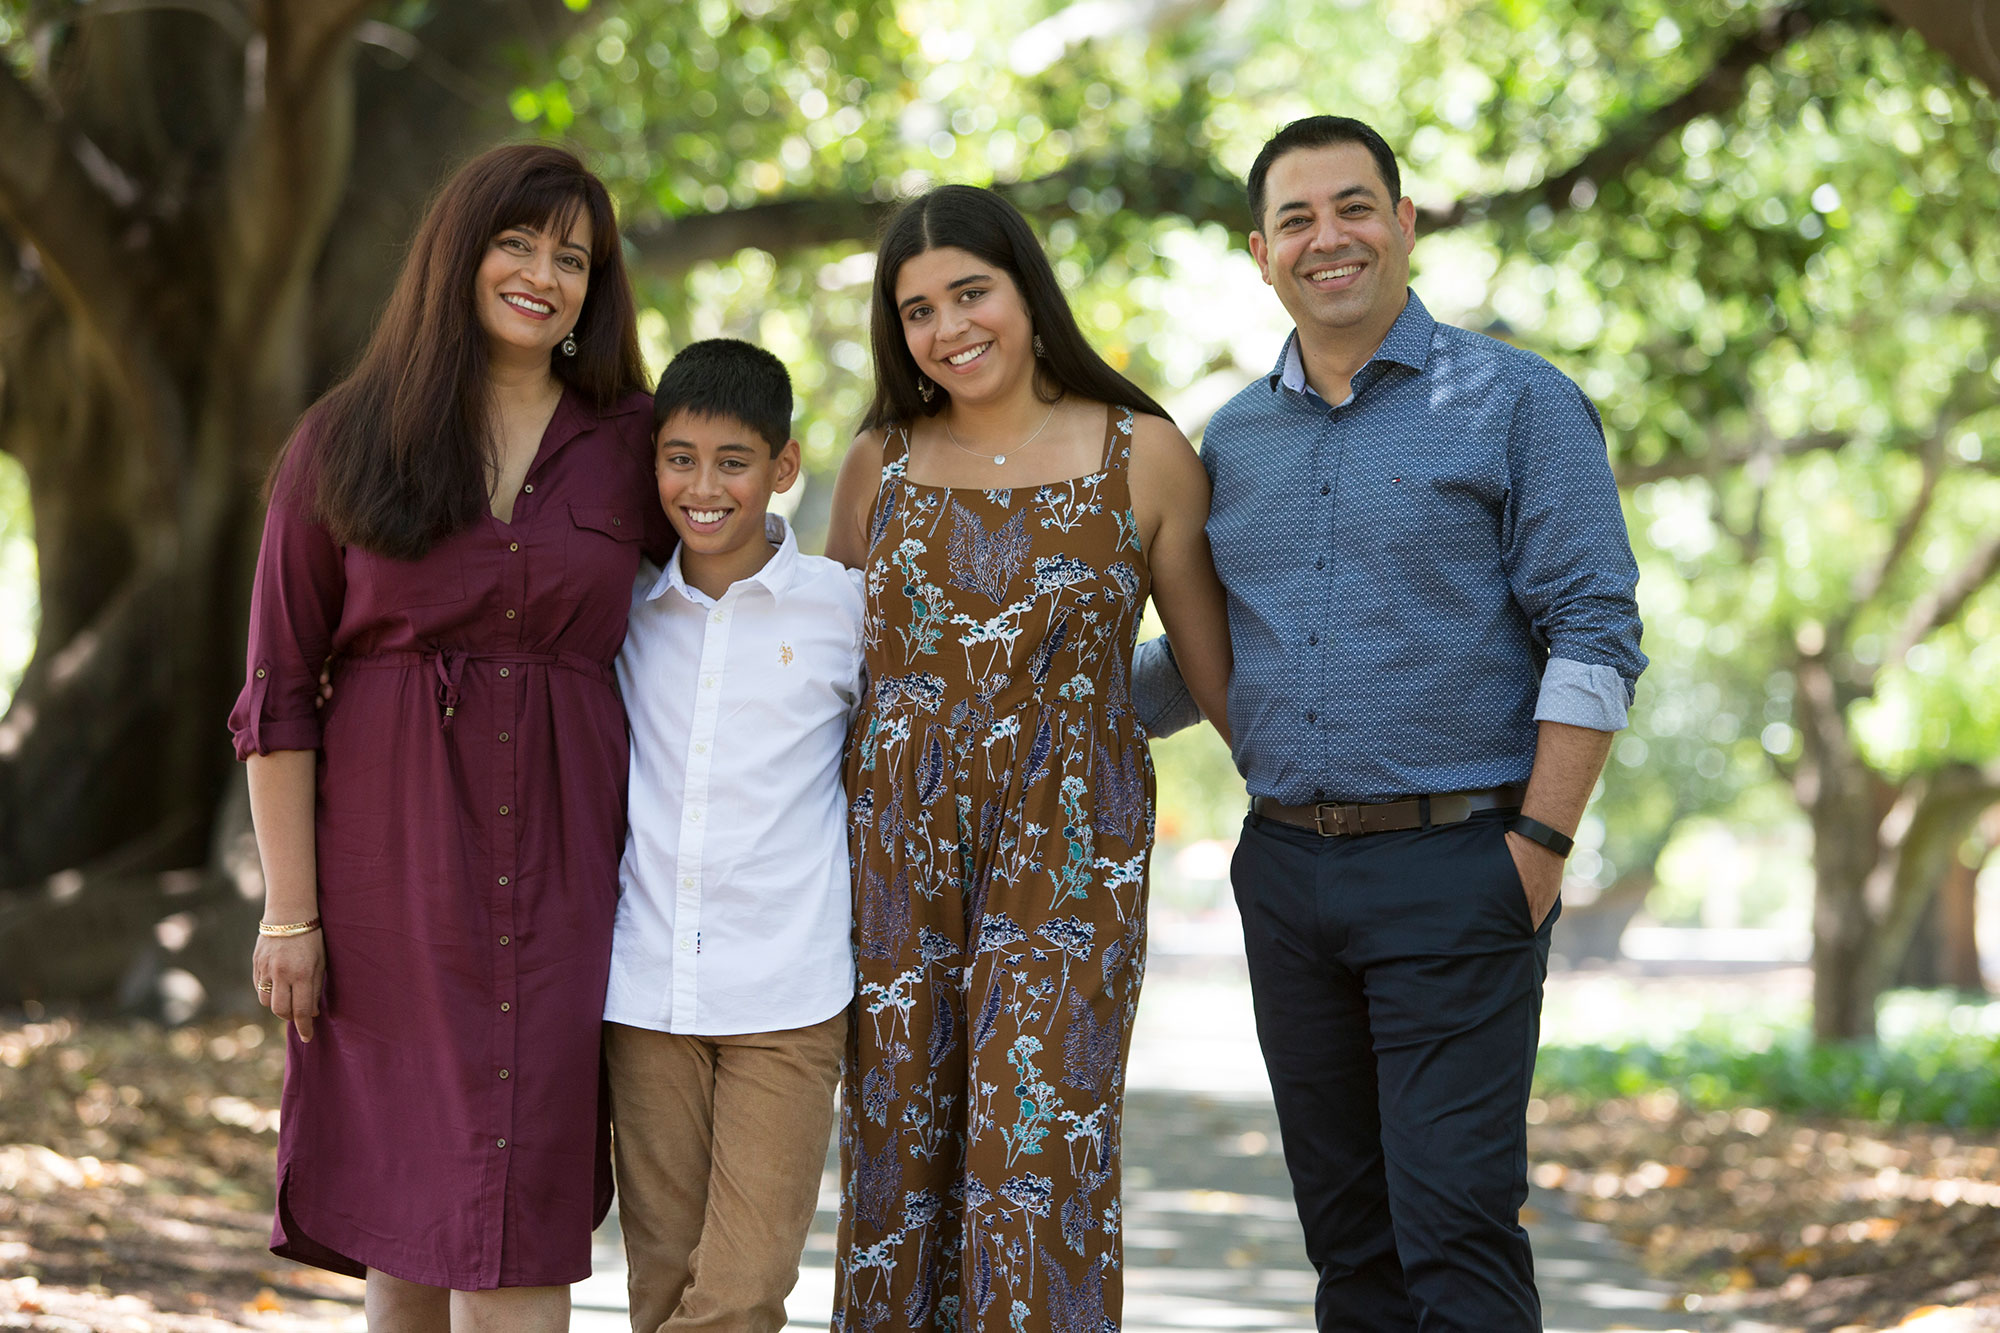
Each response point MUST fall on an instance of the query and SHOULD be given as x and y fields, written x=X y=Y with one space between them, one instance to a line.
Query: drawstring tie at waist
x=448 y=665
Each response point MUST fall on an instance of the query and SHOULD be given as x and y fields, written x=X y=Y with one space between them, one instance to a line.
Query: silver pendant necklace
x=1000 y=460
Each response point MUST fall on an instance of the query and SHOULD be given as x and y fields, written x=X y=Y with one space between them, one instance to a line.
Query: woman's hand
x=1170 y=501
x=290 y=971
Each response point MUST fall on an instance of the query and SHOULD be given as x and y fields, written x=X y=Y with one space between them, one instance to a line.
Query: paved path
x=1211 y=1241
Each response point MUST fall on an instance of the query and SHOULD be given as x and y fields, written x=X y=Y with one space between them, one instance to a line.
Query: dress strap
x=895 y=449
x=1117 y=436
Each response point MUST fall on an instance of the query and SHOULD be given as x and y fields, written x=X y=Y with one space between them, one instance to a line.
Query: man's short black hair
x=727 y=377
x=1321 y=132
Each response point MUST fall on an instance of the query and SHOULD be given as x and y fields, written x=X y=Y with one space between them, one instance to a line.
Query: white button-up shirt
x=734 y=907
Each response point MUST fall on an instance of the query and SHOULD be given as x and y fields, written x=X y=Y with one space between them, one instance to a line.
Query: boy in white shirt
x=731 y=967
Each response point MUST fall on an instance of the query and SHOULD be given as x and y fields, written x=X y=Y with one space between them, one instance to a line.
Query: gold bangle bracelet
x=296 y=928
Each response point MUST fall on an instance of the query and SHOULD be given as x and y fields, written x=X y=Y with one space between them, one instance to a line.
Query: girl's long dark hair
x=980 y=222
x=400 y=449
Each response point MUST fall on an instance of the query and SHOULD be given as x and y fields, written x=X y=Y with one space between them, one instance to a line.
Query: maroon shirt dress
x=445 y=1125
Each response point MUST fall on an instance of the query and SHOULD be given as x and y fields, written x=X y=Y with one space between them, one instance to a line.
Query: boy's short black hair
x=727 y=377
x=1321 y=132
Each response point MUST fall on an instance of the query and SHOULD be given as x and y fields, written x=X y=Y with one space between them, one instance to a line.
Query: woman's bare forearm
x=282 y=791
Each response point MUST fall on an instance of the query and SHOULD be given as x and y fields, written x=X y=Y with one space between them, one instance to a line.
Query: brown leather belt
x=1333 y=819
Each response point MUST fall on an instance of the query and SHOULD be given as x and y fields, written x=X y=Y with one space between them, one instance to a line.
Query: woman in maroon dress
x=457 y=525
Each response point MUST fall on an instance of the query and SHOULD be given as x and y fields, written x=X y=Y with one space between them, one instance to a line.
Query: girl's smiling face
x=965 y=323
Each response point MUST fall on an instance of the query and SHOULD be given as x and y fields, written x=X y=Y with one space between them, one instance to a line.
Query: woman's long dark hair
x=401 y=448
x=980 y=222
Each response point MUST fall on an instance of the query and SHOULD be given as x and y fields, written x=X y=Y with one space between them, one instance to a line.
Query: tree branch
x=1630 y=141
x=1701 y=465
x=48 y=201
x=668 y=247
x=1869 y=583
x=1940 y=605
x=1198 y=192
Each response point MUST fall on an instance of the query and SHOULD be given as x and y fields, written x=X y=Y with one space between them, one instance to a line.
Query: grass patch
x=1937 y=1062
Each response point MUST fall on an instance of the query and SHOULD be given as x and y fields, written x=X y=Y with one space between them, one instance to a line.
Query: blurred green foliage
x=1934 y=1065
x=19 y=599
x=1813 y=266
x=1785 y=309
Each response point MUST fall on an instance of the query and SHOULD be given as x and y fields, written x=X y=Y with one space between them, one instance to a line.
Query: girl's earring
x=925 y=389
x=569 y=344
x=1040 y=351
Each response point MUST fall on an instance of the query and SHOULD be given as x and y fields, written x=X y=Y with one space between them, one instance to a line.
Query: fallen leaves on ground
x=136 y=1179
x=1794 y=1222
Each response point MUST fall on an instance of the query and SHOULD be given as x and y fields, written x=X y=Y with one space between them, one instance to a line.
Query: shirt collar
x=775 y=577
x=1407 y=344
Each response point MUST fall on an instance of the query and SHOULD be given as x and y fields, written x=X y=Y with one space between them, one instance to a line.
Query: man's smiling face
x=1332 y=243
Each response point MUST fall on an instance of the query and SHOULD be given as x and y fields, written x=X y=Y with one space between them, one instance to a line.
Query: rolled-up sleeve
x=295 y=607
x=1159 y=695
x=1569 y=560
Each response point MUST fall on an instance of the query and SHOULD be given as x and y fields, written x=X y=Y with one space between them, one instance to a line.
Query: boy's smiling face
x=716 y=477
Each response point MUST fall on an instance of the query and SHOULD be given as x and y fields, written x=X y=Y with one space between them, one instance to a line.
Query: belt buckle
x=1340 y=817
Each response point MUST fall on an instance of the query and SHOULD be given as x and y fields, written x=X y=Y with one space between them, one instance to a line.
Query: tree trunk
x=250 y=261
x=1957 y=920
x=1590 y=933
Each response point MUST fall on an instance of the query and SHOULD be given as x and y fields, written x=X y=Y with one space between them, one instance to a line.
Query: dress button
x=1312 y=641
x=260 y=673
x=504 y=939
x=503 y=673
x=701 y=747
x=1325 y=488
x=510 y=615
x=1319 y=794
x=499 y=1143
x=503 y=738
x=503 y=1073
x=1320 y=563
x=1311 y=716
x=529 y=489
x=505 y=1007
x=617 y=522
x=503 y=809
x=513 y=546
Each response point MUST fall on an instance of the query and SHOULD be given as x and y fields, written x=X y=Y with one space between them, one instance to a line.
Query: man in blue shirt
x=1431 y=605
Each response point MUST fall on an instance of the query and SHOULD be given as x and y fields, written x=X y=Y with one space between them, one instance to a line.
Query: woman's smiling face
x=965 y=323
x=530 y=286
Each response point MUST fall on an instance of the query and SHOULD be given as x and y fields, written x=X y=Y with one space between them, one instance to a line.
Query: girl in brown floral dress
x=1013 y=501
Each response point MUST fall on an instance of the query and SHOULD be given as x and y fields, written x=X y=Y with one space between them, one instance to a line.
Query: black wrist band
x=1534 y=830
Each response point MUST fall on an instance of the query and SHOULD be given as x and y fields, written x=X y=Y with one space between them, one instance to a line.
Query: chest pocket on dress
x=602 y=550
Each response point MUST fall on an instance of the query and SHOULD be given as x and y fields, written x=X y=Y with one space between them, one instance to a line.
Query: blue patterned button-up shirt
x=1415 y=576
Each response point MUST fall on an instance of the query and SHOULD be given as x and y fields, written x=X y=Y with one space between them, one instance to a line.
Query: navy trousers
x=1398 y=989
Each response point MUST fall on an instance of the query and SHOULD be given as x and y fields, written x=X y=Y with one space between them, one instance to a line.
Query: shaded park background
x=1760 y=234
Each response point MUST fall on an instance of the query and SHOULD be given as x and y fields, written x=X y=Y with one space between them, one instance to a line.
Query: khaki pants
x=719 y=1143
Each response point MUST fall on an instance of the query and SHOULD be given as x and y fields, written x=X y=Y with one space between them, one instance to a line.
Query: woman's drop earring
x=569 y=343
x=925 y=389
x=1040 y=351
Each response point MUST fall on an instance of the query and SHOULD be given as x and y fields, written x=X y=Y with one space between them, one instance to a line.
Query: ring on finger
x=264 y=986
